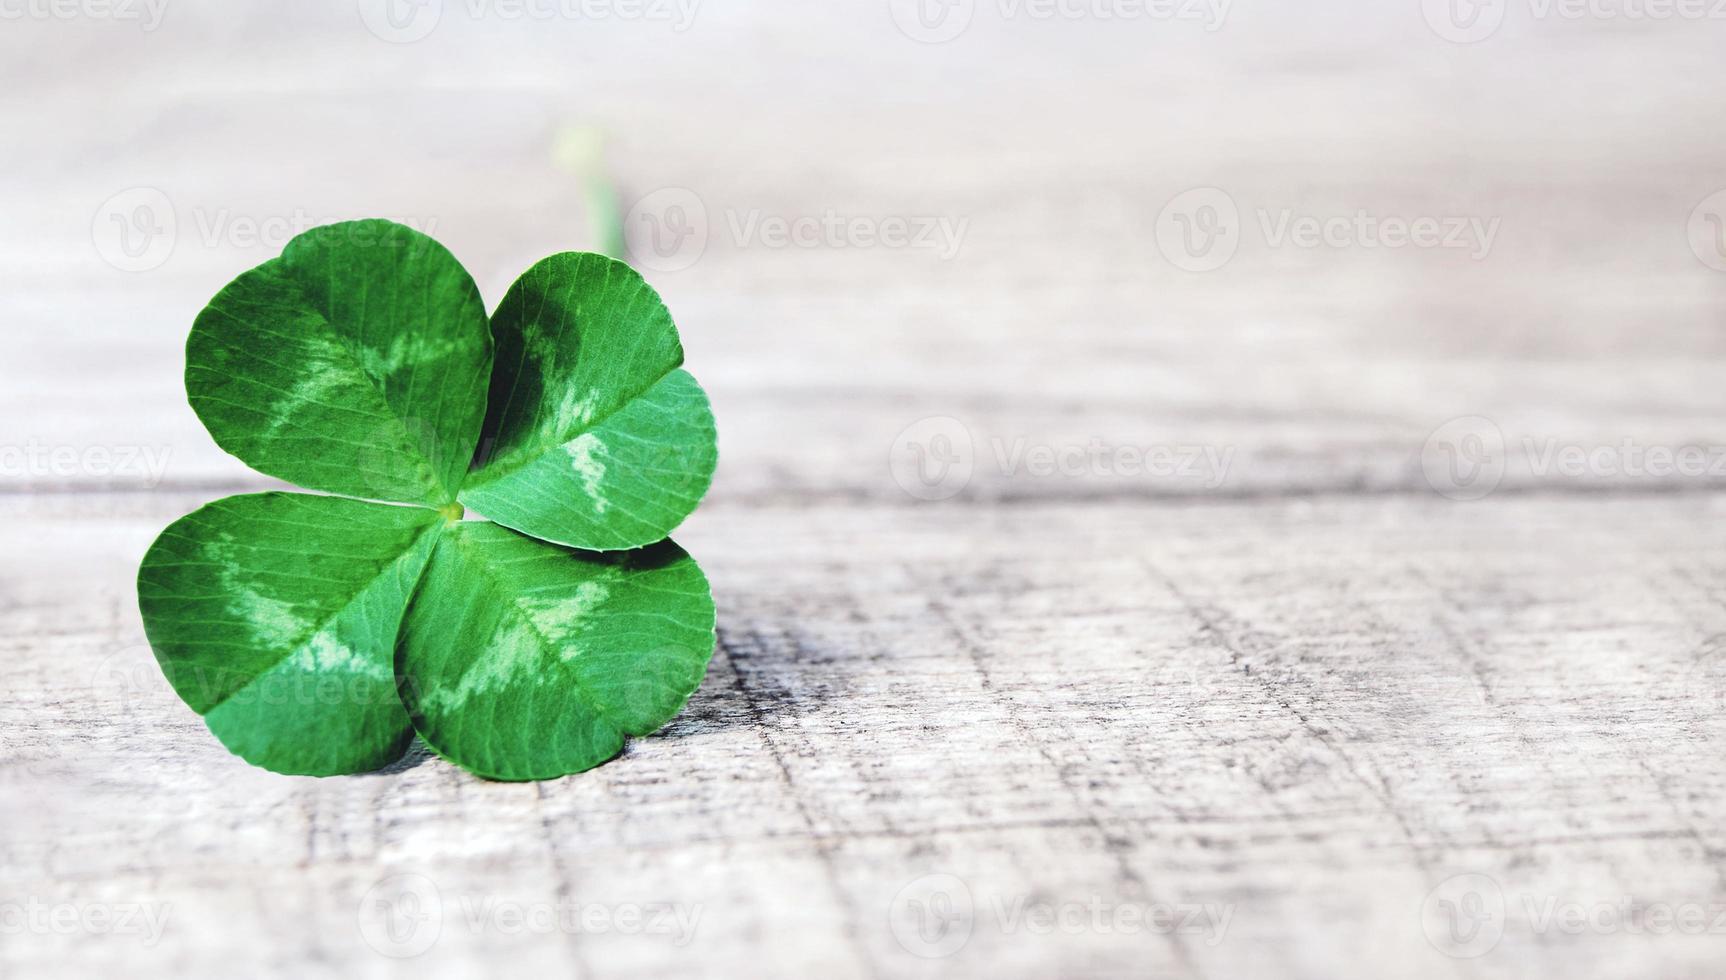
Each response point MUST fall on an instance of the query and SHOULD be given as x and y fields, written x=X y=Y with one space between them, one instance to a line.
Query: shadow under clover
x=759 y=678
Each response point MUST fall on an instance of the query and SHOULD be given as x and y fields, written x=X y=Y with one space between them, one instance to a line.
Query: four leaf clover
x=317 y=633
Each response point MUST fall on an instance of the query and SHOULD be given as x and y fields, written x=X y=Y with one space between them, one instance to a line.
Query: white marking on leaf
x=511 y=657
x=561 y=616
x=324 y=653
x=573 y=410
x=273 y=622
x=404 y=350
x=325 y=372
x=586 y=456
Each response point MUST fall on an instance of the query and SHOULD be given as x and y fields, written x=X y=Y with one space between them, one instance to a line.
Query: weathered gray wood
x=1307 y=714
x=1302 y=698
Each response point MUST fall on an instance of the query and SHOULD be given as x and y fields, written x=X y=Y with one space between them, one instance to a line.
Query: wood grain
x=1287 y=713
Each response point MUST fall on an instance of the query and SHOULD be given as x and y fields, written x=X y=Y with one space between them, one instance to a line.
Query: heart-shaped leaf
x=275 y=615
x=593 y=436
x=523 y=660
x=356 y=363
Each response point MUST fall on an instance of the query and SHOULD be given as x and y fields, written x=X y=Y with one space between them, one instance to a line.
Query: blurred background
x=1073 y=360
x=877 y=229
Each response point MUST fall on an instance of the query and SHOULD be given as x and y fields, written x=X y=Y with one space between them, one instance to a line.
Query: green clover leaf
x=316 y=634
x=605 y=450
x=317 y=367
x=520 y=658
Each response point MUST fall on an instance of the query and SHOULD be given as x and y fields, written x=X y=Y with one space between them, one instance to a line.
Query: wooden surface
x=1306 y=715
